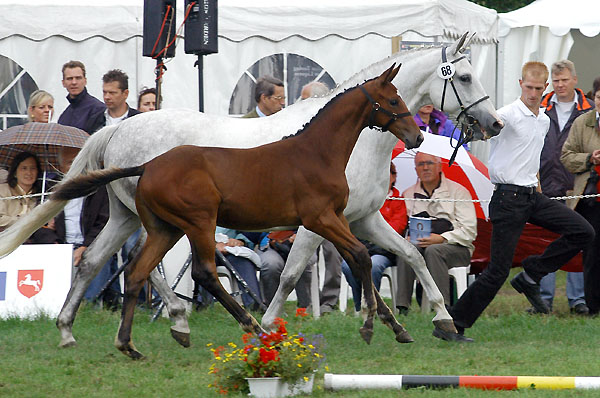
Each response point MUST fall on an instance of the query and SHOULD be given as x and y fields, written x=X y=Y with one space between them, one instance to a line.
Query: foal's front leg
x=335 y=229
x=375 y=229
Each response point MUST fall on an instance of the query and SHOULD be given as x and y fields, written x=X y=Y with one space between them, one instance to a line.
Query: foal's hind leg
x=204 y=272
x=335 y=229
x=176 y=308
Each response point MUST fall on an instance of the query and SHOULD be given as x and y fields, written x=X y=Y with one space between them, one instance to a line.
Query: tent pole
x=200 y=65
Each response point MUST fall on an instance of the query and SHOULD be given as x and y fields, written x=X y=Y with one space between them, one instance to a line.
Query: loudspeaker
x=201 y=27
x=155 y=12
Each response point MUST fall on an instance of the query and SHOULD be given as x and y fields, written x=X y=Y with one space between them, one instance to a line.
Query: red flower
x=301 y=312
x=268 y=355
x=246 y=337
x=218 y=351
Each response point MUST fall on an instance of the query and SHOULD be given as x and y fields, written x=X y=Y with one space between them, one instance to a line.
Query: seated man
x=453 y=228
x=394 y=212
x=273 y=253
x=238 y=250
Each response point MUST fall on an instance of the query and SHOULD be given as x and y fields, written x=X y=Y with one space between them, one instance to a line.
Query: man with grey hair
x=314 y=89
x=563 y=106
x=269 y=95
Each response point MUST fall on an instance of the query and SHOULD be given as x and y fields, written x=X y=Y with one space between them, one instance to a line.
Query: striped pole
x=342 y=382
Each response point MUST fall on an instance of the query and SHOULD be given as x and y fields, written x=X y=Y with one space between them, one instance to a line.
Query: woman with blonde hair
x=41 y=106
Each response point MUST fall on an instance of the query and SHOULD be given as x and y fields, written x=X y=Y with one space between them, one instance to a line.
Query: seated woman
x=22 y=179
x=394 y=212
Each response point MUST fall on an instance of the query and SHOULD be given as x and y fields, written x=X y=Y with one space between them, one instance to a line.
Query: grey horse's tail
x=91 y=157
x=86 y=184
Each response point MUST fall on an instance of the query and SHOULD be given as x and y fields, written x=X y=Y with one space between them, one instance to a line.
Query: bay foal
x=297 y=181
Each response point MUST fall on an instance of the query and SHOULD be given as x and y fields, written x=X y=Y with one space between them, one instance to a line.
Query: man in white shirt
x=115 y=90
x=513 y=165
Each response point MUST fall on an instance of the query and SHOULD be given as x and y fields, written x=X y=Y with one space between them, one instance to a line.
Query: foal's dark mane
x=327 y=105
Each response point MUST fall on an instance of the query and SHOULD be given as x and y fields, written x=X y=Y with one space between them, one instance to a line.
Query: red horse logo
x=30 y=282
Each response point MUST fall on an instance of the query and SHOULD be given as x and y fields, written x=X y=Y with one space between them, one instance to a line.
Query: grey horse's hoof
x=181 y=338
x=67 y=344
x=447 y=325
x=404 y=337
x=366 y=334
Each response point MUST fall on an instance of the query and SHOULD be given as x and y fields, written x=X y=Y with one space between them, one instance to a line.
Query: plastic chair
x=234 y=290
x=460 y=276
x=391 y=273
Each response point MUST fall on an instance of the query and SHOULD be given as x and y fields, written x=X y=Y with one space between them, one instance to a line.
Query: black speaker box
x=201 y=27
x=154 y=14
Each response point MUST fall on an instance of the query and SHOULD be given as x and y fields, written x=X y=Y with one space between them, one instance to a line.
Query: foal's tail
x=86 y=184
x=91 y=157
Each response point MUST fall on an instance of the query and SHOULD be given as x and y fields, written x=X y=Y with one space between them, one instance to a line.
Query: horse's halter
x=376 y=107
x=466 y=132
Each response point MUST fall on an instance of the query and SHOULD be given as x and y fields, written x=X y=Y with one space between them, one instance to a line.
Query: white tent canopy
x=341 y=37
x=548 y=31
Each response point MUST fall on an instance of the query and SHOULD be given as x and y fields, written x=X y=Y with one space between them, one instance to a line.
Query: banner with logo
x=35 y=280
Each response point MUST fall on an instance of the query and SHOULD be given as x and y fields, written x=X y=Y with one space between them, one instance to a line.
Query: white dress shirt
x=515 y=152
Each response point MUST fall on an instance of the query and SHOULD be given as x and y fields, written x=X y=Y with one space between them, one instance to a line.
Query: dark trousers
x=509 y=211
x=591 y=257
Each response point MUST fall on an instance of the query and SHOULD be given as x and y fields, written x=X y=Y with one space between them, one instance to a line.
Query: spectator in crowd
x=581 y=156
x=79 y=224
x=330 y=293
x=453 y=228
x=394 y=212
x=115 y=89
x=147 y=99
x=314 y=89
x=41 y=107
x=83 y=108
x=513 y=166
x=269 y=95
x=434 y=121
x=239 y=251
x=563 y=106
x=22 y=179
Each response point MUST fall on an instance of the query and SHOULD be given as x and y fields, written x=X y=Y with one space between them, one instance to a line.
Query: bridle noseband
x=376 y=107
x=466 y=132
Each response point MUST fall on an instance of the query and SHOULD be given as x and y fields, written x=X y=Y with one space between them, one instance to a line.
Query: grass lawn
x=508 y=342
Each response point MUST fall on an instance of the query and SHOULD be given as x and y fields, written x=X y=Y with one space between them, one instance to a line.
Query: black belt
x=515 y=188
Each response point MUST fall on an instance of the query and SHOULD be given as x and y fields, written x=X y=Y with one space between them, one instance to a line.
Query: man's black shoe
x=531 y=291
x=450 y=336
x=580 y=309
x=402 y=310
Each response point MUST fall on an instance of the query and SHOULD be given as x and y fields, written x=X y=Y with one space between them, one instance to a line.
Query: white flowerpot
x=274 y=387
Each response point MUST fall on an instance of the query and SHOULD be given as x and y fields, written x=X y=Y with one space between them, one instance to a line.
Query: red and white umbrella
x=467 y=170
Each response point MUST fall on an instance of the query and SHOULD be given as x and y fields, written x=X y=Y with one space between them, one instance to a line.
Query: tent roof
x=241 y=19
x=557 y=15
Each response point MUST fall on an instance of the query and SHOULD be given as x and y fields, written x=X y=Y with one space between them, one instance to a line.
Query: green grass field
x=508 y=342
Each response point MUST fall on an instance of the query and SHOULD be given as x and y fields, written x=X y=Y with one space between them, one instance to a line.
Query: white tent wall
x=548 y=31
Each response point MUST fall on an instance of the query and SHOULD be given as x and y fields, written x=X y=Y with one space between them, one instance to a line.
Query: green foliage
x=503 y=5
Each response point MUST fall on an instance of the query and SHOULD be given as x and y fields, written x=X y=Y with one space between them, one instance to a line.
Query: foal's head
x=390 y=111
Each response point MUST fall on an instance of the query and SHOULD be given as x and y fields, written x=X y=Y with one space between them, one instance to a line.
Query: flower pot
x=274 y=387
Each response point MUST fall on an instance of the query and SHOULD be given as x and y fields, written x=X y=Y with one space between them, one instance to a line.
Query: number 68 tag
x=446 y=70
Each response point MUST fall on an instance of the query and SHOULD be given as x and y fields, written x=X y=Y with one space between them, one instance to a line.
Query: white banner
x=34 y=280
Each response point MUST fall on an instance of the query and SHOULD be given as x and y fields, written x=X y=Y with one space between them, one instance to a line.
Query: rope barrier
x=388 y=198
x=487 y=200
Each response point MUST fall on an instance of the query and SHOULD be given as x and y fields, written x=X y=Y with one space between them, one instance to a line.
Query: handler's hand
x=431 y=240
x=77 y=253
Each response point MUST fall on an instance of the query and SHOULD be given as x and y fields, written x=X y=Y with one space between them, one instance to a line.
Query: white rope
x=487 y=200
x=26 y=196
